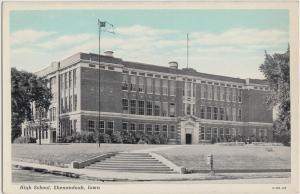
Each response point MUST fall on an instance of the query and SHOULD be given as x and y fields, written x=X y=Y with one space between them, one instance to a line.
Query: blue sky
x=225 y=42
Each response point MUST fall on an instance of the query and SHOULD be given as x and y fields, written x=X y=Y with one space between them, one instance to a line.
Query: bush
x=25 y=140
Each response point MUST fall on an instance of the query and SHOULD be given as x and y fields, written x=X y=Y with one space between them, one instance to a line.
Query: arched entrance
x=189 y=131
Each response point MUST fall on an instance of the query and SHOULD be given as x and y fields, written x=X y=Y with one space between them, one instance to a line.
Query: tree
x=27 y=88
x=276 y=69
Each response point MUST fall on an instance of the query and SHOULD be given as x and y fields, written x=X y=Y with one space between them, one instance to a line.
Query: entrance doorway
x=54 y=137
x=188 y=138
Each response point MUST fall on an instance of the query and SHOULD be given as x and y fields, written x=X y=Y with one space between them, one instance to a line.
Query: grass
x=230 y=157
x=192 y=157
x=67 y=153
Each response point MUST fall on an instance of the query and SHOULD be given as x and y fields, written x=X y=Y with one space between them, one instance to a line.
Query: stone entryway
x=189 y=131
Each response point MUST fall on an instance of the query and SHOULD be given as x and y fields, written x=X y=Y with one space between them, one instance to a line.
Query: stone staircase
x=132 y=162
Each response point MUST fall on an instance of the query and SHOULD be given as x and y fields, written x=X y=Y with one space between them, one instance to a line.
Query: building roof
x=142 y=66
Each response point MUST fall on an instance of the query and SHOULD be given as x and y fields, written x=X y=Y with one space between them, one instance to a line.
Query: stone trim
x=82 y=164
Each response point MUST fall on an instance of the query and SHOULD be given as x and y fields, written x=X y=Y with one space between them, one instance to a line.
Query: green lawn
x=230 y=157
x=67 y=153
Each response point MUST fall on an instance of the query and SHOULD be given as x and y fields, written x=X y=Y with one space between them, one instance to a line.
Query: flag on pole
x=107 y=27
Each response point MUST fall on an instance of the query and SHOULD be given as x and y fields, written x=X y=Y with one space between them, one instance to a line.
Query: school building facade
x=186 y=106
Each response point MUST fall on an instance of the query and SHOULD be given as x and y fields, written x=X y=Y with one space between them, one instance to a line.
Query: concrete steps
x=132 y=162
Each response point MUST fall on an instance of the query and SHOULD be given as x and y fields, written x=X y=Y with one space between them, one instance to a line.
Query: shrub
x=117 y=137
x=25 y=140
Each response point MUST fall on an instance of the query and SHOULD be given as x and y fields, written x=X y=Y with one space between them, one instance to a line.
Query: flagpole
x=99 y=50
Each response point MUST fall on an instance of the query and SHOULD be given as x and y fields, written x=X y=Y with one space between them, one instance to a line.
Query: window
x=91 y=125
x=172 y=110
x=70 y=79
x=125 y=105
x=240 y=114
x=66 y=104
x=221 y=133
x=208 y=133
x=188 y=109
x=208 y=112
x=203 y=91
x=149 y=108
x=149 y=129
x=215 y=133
x=165 y=87
x=164 y=109
x=209 y=92
x=172 y=132
x=125 y=126
x=233 y=95
x=133 y=83
x=239 y=95
x=75 y=102
x=132 y=126
x=50 y=114
x=101 y=126
x=216 y=90
x=202 y=112
x=70 y=105
x=110 y=125
x=141 y=127
x=141 y=108
x=141 y=84
x=165 y=130
x=156 y=108
x=227 y=133
x=234 y=114
x=202 y=133
x=172 y=88
x=188 y=91
x=156 y=129
x=132 y=106
x=74 y=78
x=124 y=82
x=215 y=116
x=157 y=86
x=221 y=113
x=222 y=94
x=228 y=94
x=194 y=89
x=54 y=113
x=66 y=80
x=228 y=114
x=149 y=85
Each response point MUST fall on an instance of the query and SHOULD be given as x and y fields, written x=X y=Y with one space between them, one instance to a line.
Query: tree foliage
x=276 y=69
x=25 y=89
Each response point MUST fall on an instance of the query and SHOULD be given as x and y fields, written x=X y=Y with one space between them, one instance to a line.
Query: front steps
x=132 y=162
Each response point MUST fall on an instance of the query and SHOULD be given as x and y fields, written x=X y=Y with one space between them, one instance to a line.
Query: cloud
x=68 y=40
x=241 y=37
x=28 y=35
x=235 y=52
x=139 y=30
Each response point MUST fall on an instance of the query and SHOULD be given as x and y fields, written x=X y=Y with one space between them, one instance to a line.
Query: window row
x=68 y=104
x=68 y=79
x=216 y=113
x=150 y=108
x=67 y=127
x=151 y=85
x=220 y=93
x=150 y=129
x=52 y=114
x=209 y=133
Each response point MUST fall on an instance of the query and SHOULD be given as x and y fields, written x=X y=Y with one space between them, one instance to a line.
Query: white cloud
x=68 y=40
x=28 y=35
x=236 y=52
x=241 y=37
x=139 y=30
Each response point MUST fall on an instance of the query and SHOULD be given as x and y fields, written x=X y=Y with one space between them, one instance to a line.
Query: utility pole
x=187 y=50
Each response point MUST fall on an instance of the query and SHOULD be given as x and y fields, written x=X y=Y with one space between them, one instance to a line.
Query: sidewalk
x=104 y=175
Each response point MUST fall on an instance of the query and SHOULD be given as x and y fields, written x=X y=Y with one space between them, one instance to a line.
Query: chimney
x=109 y=53
x=173 y=64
